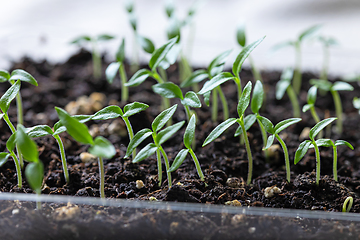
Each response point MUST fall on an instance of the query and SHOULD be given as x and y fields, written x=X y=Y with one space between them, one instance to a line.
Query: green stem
x=18 y=169
x=325 y=67
x=214 y=111
x=338 y=110
x=102 y=177
x=134 y=66
x=286 y=154
x=248 y=150
x=124 y=89
x=165 y=101
x=167 y=166
x=317 y=154
x=224 y=103
x=63 y=157
x=19 y=109
x=38 y=203
x=163 y=74
x=294 y=101
x=264 y=137
x=255 y=72
x=130 y=133
x=158 y=156
x=297 y=71
x=197 y=164
x=187 y=111
x=317 y=119
x=185 y=70
x=335 y=163
x=96 y=61
x=13 y=130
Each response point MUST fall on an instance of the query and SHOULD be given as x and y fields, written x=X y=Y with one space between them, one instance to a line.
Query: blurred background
x=42 y=29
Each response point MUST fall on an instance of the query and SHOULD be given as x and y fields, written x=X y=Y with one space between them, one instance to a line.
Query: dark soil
x=223 y=159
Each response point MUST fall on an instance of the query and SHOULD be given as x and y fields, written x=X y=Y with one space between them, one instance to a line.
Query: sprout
x=333 y=88
x=244 y=123
x=329 y=143
x=96 y=57
x=99 y=146
x=305 y=145
x=347 y=204
x=326 y=42
x=284 y=85
x=159 y=137
x=189 y=137
x=306 y=34
x=274 y=131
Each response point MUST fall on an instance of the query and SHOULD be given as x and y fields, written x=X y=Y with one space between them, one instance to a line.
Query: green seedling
x=305 y=145
x=34 y=171
x=311 y=99
x=159 y=137
x=15 y=75
x=326 y=42
x=235 y=75
x=333 y=88
x=118 y=66
x=305 y=35
x=171 y=90
x=347 y=204
x=241 y=39
x=274 y=131
x=244 y=124
x=284 y=85
x=100 y=147
x=330 y=143
x=189 y=137
x=96 y=57
x=159 y=56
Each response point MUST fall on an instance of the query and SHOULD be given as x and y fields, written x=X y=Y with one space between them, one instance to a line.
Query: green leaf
x=311 y=96
x=137 y=139
x=10 y=143
x=216 y=81
x=26 y=145
x=245 y=52
x=320 y=126
x=285 y=123
x=4 y=157
x=173 y=29
x=34 y=173
x=168 y=90
x=160 y=54
x=244 y=99
x=162 y=118
x=301 y=151
x=342 y=142
x=207 y=98
x=309 y=32
x=146 y=44
x=165 y=134
x=219 y=130
x=111 y=71
x=321 y=84
x=257 y=97
x=269 y=141
x=287 y=74
x=129 y=6
x=169 y=7
x=23 y=76
x=134 y=108
x=109 y=112
x=356 y=103
x=216 y=66
x=146 y=152
x=269 y=127
x=190 y=132
x=120 y=54
x=59 y=128
x=81 y=39
x=76 y=129
x=4 y=76
x=249 y=120
x=195 y=77
x=240 y=35
x=133 y=21
x=39 y=131
x=104 y=37
x=8 y=96
x=281 y=87
x=341 y=86
x=102 y=148
x=307 y=107
x=179 y=159
x=138 y=78
x=171 y=56
x=191 y=99
x=323 y=143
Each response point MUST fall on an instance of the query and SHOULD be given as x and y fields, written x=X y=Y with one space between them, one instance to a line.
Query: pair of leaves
x=328 y=86
x=86 y=38
x=17 y=74
x=284 y=83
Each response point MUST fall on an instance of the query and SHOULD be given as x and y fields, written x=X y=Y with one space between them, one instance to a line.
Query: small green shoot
x=284 y=85
x=330 y=143
x=96 y=57
x=326 y=42
x=305 y=145
x=333 y=88
x=189 y=137
x=244 y=125
x=159 y=137
x=347 y=204
x=274 y=131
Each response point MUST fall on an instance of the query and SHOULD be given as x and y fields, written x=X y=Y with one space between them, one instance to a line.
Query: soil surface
x=224 y=161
